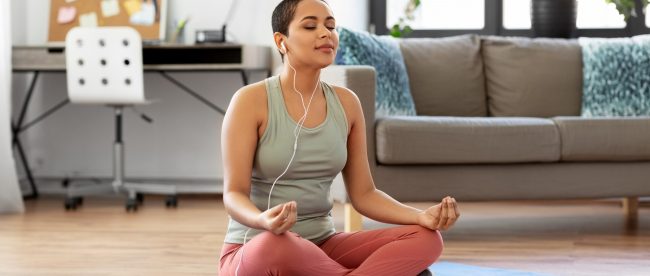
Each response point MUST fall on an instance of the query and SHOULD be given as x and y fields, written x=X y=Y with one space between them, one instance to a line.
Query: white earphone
x=284 y=48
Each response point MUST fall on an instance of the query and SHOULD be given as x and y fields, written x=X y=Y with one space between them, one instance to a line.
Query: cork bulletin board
x=146 y=16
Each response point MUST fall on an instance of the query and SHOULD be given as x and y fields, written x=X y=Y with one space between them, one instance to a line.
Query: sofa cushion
x=393 y=96
x=527 y=77
x=604 y=139
x=454 y=140
x=446 y=75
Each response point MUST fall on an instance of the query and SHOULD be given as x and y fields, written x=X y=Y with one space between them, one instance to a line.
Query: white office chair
x=104 y=66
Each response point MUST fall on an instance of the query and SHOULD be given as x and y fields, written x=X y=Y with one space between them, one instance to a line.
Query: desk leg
x=28 y=171
x=45 y=114
x=192 y=93
x=16 y=141
x=17 y=129
x=28 y=99
x=244 y=77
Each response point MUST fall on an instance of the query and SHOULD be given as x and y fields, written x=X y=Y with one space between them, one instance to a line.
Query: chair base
x=133 y=191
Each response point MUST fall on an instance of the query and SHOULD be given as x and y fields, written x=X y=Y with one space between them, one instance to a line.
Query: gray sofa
x=497 y=119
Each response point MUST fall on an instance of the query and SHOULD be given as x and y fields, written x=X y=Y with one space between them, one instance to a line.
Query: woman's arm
x=238 y=145
x=365 y=198
x=373 y=203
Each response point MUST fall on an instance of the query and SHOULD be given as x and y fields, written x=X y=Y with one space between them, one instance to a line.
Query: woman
x=293 y=134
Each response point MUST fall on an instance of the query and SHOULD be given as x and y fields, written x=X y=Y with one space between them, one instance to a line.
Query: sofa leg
x=353 y=220
x=631 y=208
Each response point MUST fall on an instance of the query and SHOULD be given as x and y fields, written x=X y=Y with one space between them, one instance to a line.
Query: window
x=592 y=14
x=516 y=14
x=440 y=15
x=437 y=18
x=597 y=14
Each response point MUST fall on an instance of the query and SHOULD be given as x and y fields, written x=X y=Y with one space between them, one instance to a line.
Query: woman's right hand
x=280 y=218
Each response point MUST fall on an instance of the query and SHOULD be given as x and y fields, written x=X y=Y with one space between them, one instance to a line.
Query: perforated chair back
x=104 y=66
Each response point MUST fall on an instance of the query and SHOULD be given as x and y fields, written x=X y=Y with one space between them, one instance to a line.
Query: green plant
x=627 y=7
x=402 y=28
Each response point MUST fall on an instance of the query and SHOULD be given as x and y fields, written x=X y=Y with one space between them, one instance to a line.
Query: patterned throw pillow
x=616 y=74
x=393 y=96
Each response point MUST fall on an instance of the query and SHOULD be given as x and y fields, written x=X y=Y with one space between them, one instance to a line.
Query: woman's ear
x=279 y=40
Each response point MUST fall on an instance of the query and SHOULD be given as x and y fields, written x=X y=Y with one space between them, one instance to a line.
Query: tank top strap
x=337 y=112
x=275 y=101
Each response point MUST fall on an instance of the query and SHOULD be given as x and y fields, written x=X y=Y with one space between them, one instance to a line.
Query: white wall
x=10 y=196
x=250 y=23
x=183 y=141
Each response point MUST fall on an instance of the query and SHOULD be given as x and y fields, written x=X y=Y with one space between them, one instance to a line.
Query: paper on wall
x=131 y=6
x=88 y=20
x=110 y=8
x=66 y=15
x=146 y=15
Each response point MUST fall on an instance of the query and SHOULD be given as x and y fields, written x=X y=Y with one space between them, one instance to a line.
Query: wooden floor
x=555 y=237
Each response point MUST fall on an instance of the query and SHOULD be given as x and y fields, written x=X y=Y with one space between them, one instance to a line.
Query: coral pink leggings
x=402 y=250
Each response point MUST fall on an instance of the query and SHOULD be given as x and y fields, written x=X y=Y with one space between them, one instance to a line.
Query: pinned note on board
x=150 y=16
x=146 y=15
x=66 y=15
x=131 y=6
x=88 y=20
x=110 y=8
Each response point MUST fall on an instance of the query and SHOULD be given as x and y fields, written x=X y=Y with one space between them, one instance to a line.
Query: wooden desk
x=204 y=57
x=225 y=57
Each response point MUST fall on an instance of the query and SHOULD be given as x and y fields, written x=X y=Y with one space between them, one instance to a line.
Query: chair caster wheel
x=79 y=200
x=71 y=203
x=139 y=198
x=171 y=201
x=131 y=205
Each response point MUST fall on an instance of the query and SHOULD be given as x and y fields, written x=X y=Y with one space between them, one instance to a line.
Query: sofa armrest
x=361 y=80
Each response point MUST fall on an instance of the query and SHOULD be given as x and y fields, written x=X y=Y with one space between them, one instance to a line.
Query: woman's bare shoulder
x=251 y=93
x=348 y=98
x=251 y=100
x=250 y=97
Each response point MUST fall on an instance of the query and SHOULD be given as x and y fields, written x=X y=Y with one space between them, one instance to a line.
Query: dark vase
x=553 y=18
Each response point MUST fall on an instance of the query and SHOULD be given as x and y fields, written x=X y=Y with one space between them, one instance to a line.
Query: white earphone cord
x=296 y=134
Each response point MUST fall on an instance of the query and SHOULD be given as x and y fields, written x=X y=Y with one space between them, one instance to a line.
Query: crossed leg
x=401 y=250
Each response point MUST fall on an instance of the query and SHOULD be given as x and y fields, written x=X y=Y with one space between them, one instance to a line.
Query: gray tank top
x=321 y=155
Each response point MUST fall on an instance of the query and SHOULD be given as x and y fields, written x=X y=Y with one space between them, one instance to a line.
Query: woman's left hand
x=441 y=216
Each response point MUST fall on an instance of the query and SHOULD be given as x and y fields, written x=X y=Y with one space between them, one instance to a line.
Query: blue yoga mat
x=455 y=269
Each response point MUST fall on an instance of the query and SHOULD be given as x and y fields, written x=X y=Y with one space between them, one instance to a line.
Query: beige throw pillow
x=527 y=77
x=446 y=75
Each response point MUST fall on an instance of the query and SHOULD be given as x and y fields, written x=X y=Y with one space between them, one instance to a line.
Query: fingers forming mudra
x=441 y=216
x=280 y=218
x=452 y=211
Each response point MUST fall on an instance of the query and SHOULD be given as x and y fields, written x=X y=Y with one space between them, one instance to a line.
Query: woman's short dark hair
x=283 y=14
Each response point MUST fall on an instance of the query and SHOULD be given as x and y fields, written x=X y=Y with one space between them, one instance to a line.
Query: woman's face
x=312 y=35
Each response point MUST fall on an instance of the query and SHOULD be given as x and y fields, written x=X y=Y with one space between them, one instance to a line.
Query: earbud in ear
x=284 y=48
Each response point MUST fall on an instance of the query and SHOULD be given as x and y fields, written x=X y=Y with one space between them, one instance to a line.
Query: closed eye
x=313 y=28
